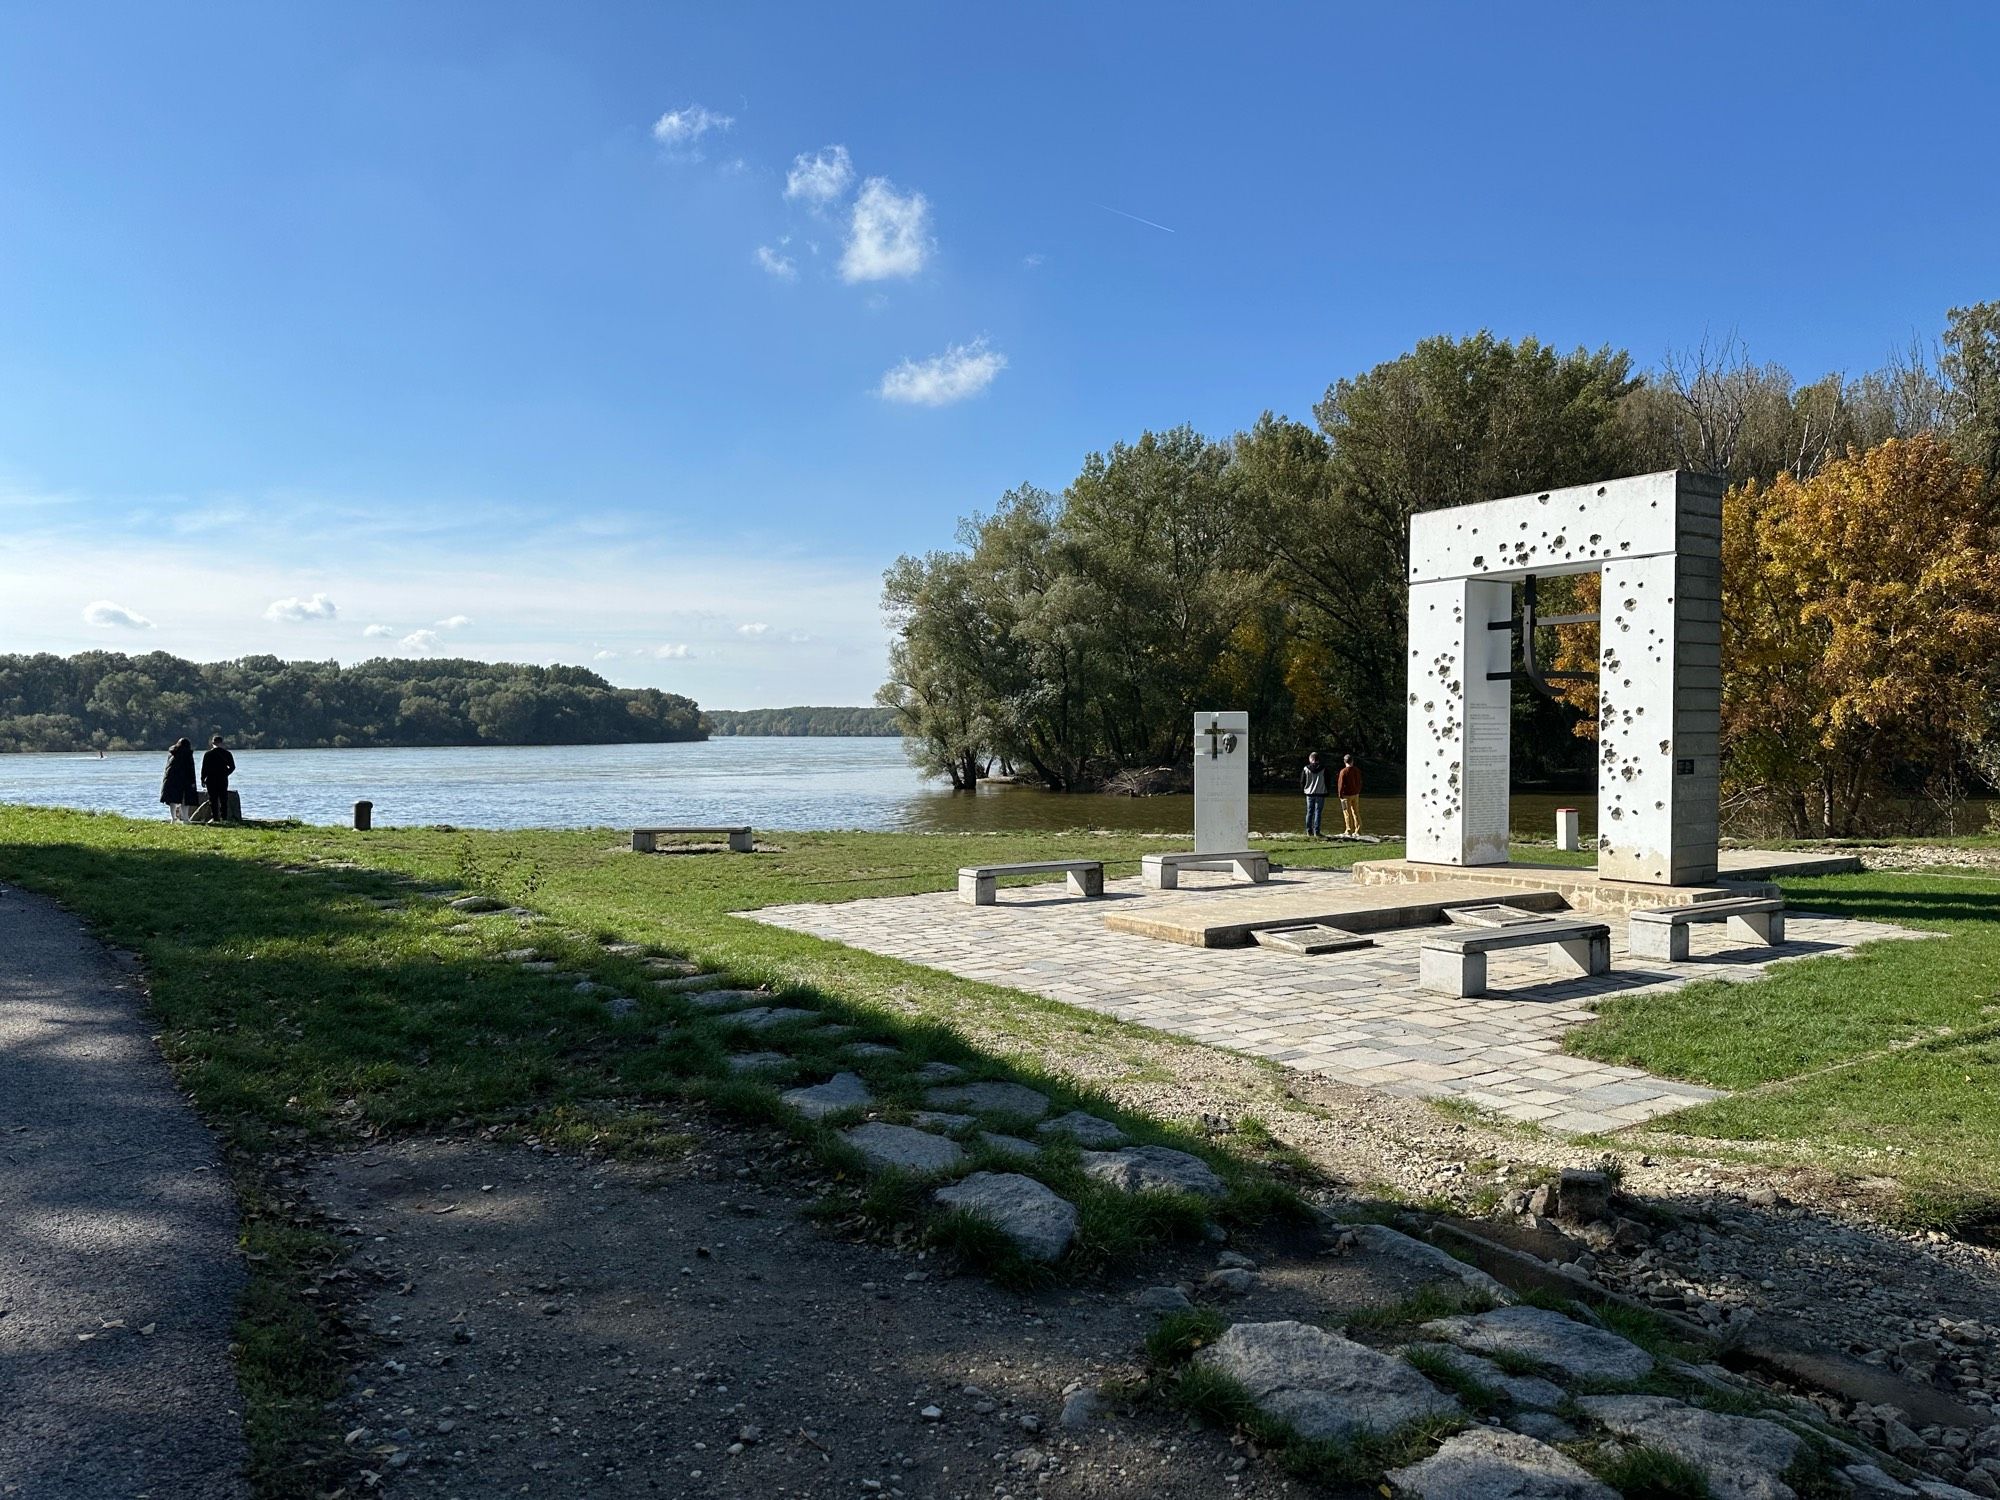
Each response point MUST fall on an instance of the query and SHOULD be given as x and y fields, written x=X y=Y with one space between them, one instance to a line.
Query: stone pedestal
x=1221 y=782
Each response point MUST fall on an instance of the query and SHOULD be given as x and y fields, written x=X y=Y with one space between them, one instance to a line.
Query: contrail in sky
x=1136 y=219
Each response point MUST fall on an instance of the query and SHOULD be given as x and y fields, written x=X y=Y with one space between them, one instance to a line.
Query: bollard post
x=1566 y=828
x=364 y=815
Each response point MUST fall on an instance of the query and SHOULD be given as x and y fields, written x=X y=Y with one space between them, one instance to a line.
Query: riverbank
x=310 y=1000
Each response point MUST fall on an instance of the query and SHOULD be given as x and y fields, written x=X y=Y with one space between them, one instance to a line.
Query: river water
x=769 y=783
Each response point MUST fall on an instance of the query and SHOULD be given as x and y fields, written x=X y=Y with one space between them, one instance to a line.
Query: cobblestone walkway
x=1357 y=1017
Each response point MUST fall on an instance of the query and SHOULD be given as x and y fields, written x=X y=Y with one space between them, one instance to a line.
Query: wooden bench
x=1163 y=871
x=1453 y=962
x=646 y=840
x=978 y=885
x=1662 y=931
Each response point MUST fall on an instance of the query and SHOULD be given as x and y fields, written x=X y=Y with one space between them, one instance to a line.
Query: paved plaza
x=1357 y=1017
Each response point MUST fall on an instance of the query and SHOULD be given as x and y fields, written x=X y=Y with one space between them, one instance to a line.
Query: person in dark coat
x=1316 y=784
x=177 y=787
x=216 y=768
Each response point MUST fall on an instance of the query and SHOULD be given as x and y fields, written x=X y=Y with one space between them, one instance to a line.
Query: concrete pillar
x=1460 y=722
x=1659 y=705
x=1567 y=834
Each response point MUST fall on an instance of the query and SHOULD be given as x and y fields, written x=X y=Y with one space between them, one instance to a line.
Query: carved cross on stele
x=1219 y=739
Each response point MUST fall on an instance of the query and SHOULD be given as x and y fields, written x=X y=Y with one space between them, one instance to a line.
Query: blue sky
x=646 y=335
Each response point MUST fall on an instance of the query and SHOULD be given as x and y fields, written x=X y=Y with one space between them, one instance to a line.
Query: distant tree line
x=104 y=700
x=872 y=720
x=1070 y=637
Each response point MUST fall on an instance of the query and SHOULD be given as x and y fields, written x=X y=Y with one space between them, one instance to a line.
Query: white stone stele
x=1657 y=541
x=1221 y=782
x=1568 y=836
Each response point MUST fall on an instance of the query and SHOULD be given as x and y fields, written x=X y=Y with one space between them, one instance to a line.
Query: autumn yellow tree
x=1860 y=633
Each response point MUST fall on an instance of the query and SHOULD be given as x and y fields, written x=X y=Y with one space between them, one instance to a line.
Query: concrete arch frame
x=1657 y=541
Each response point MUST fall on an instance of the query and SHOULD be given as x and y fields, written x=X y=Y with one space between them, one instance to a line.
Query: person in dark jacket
x=177 y=787
x=1314 y=782
x=216 y=768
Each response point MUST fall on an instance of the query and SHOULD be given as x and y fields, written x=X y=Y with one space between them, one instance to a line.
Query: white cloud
x=758 y=629
x=296 y=611
x=604 y=656
x=379 y=632
x=962 y=370
x=889 y=235
x=682 y=129
x=455 y=622
x=781 y=266
x=108 y=616
x=1029 y=262
x=820 y=178
x=421 y=642
x=675 y=652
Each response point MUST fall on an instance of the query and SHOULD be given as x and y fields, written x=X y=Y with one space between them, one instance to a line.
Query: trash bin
x=364 y=815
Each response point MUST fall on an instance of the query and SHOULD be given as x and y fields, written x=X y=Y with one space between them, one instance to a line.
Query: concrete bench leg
x=643 y=843
x=1590 y=955
x=1667 y=941
x=978 y=890
x=1161 y=877
x=1759 y=927
x=1445 y=972
x=1086 y=882
x=739 y=843
x=1256 y=871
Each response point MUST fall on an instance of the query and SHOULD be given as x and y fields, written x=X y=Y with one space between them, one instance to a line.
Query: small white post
x=1566 y=828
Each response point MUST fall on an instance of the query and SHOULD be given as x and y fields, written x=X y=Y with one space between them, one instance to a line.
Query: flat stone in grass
x=1548 y=1338
x=1487 y=1465
x=937 y=1119
x=1142 y=1169
x=725 y=999
x=869 y=1049
x=1085 y=1130
x=1039 y=1223
x=1522 y=1390
x=690 y=982
x=990 y=1099
x=767 y=1017
x=539 y=965
x=1011 y=1146
x=1742 y=1456
x=621 y=1005
x=519 y=956
x=817 y=1101
x=624 y=950
x=1321 y=1384
x=901 y=1147
x=668 y=965
x=756 y=1062
x=834 y=1033
x=940 y=1072
x=478 y=905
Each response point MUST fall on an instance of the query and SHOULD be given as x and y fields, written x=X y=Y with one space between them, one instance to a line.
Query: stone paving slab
x=1357 y=1017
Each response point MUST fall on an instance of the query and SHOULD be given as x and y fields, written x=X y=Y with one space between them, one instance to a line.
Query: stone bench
x=1163 y=871
x=979 y=885
x=1454 y=962
x=646 y=840
x=1662 y=931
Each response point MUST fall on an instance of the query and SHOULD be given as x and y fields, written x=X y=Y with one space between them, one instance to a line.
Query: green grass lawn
x=1881 y=1064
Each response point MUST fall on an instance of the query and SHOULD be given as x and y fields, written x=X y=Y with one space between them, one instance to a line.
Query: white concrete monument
x=1657 y=541
x=1221 y=783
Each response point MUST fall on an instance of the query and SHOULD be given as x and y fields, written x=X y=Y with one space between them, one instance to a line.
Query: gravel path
x=118 y=1266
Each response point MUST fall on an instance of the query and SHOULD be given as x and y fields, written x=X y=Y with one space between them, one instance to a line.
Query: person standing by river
x=1348 y=788
x=177 y=787
x=216 y=768
x=1314 y=782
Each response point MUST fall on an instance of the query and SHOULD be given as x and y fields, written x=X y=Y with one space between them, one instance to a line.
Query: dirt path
x=682 y=1329
x=118 y=1263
